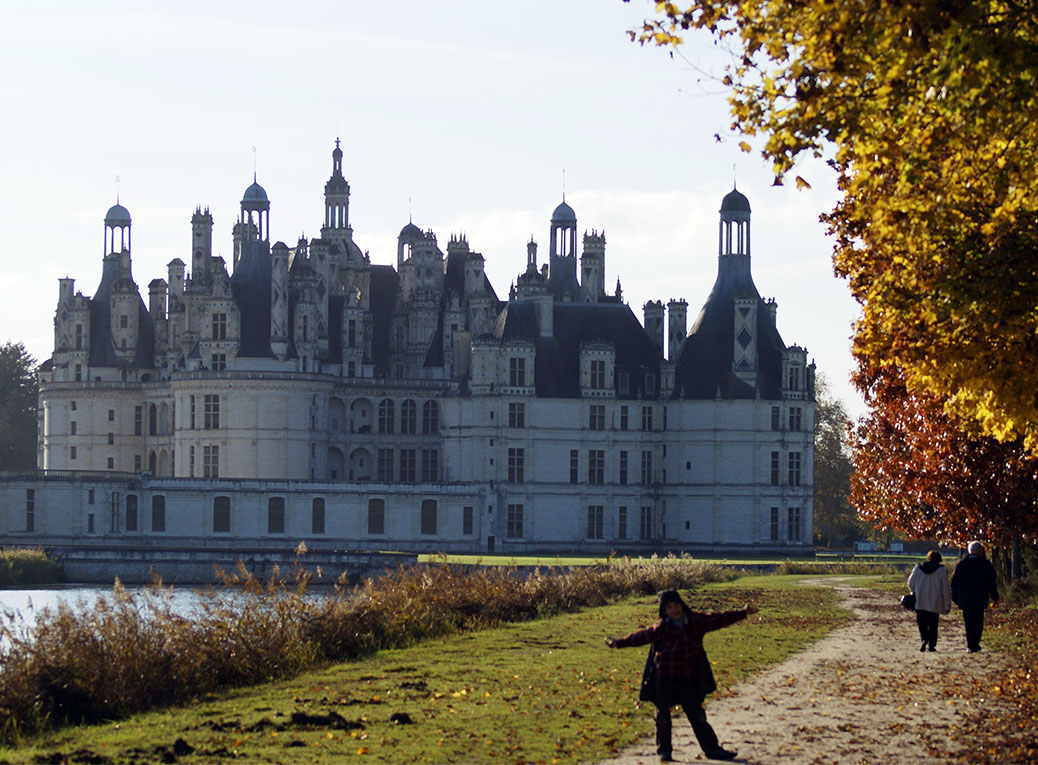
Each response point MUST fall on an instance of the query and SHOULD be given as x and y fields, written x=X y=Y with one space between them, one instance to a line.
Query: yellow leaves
x=802 y=184
x=744 y=146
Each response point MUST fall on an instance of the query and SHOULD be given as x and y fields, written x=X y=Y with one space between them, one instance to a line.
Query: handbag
x=908 y=601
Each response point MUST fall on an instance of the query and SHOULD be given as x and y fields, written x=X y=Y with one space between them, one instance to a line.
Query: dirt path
x=865 y=694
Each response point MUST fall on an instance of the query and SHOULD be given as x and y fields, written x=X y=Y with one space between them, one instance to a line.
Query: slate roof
x=557 y=359
x=102 y=347
x=250 y=286
x=704 y=368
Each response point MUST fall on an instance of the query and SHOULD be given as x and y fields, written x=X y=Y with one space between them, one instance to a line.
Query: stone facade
x=411 y=405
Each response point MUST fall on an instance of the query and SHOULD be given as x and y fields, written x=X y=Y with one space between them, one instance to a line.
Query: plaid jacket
x=679 y=650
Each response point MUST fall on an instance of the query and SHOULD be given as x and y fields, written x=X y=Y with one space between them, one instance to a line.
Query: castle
x=306 y=393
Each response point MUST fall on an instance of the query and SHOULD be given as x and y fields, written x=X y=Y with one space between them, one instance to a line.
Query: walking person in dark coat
x=973 y=585
x=929 y=582
x=682 y=671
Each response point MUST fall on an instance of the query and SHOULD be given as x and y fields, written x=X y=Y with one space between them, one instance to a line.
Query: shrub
x=129 y=652
x=20 y=567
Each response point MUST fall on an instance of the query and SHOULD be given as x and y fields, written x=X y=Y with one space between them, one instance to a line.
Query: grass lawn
x=540 y=691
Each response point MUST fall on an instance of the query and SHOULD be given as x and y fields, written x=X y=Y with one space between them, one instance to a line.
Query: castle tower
x=255 y=212
x=562 y=265
x=733 y=236
x=592 y=268
x=117 y=236
x=336 y=200
x=677 y=312
x=201 y=246
x=279 y=300
x=654 y=322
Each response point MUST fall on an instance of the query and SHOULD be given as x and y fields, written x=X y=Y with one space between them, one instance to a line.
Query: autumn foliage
x=918 y=473
x=926 y=109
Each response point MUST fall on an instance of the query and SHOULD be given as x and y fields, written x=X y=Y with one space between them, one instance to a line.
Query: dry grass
x=126 y=654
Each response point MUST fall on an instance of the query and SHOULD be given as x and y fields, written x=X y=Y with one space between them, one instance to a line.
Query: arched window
x=430 y=418
x=386 y=415
x=409 y=417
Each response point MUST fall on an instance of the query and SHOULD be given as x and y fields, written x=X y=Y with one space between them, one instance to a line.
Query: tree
x=928 y=110
x=835 y=519
x=918 y=473
x=18 y=387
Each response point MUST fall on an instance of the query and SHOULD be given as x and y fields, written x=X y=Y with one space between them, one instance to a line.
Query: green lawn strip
x=539 y=691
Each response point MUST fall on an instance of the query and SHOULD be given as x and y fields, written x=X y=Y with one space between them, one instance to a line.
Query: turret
x=654 y=322
x=201 y=245
x=677 y=326
x=592 y=268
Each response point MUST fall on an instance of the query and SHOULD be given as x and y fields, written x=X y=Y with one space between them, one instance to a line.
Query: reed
x=127 y=653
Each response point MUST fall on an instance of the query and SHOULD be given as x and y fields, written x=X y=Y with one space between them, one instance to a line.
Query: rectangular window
x=409 y=417
x=79 y=337
x=376 y=516
x=317 y=515
x=516 y=415
x=72 y=427
x=623 y=468
x=219 y=326
x=574 y=466
x=597 y=417
x=408 y=461
x=221 y=515
x=621 y=522
x=623 y=382
x=192 y=408
x=131 y=512
x=30 y=509
x=90 y=523
x=623 y=417
x=191 y=462
x=794 y=468
x=650 y=384
x=210 y=461
x=794 y=418
x=386 y=415
x=597 y=373
x=646 y=467
x=276 y=515
x=79 y=372
x=516 y=371
x=385 y=465
x=124 y=321
x=646 y=418
x=595 y=521
x=466 y=521
x=514 y=522
x=428 y=516
x=219 y=362
x=793 y=520
x=596 y=466
x=430 y=418
x=72 y=405
x=111 y=463
x=138 y=420
x=351 y=333
x=645 y=523
x=111 y=415
x=794 y=378
x=775 y=419
x=137 y=463
x=774 y=468
x=430 y=465
x=111 y=438
x=211 y=409
x=90 y=496
x=774 y=524
x=516 y=465
x=158 y=513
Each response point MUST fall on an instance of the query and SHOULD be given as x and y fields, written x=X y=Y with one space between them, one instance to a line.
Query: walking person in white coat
x=929 y=582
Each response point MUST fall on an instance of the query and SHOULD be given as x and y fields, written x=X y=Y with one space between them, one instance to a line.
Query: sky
x=466 y=117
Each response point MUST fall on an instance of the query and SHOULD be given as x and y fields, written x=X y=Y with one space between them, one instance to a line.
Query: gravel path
x=864 y=694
